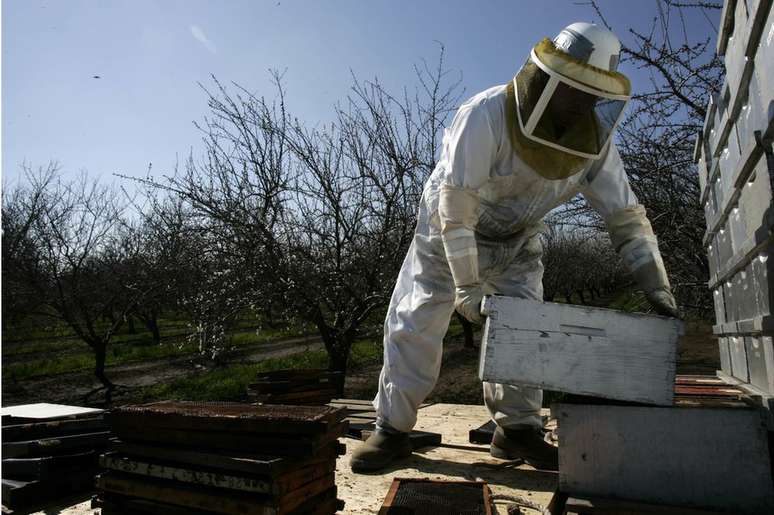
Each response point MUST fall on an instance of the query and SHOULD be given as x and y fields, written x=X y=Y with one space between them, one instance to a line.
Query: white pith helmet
x=591 y=44
x=569 y=94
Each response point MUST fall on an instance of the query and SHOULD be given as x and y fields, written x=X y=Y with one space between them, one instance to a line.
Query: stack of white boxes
x=736 y=170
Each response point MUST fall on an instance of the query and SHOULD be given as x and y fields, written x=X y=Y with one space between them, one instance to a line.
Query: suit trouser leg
x=517 y=406
x=417 y=320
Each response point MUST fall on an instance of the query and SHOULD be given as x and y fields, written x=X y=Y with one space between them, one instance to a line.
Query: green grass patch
x=230 y=383
x=122 y=353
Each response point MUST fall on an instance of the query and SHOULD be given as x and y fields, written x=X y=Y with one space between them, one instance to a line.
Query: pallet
x=577 y=349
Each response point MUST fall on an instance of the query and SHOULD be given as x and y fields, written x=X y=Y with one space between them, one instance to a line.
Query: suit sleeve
x=609 y=194
x=469 y=148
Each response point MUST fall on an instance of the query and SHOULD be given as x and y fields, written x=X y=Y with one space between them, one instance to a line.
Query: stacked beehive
x=49 y=453
x=736 y=170
x=177 y=457
x=307 y=387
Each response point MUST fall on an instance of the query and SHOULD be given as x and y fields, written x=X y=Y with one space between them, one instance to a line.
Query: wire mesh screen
x=438 y=498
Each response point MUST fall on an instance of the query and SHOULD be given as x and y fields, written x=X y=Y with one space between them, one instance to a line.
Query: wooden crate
x=579 y=349
x=298 y=387
x=702 y=457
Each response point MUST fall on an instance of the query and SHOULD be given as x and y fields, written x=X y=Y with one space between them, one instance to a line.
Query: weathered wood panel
x=271 y=466
x=578 y=349
x=712 y=458
x=47 y=467
x=51 y=429
x=277 y=444
x=52 y=446
x=213 y=499
x=203 y=477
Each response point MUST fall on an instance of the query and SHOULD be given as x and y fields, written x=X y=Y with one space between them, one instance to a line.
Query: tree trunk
x=100 y=355
x=337 y=362
x=467 y=330
x=132 y=329
x=153 y=326
x=337 y=345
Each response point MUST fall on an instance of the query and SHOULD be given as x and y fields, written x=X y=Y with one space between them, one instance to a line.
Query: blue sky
x=150 y=55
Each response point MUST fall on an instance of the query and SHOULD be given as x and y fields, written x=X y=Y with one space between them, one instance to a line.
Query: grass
x=122 y=353
x=230 y=384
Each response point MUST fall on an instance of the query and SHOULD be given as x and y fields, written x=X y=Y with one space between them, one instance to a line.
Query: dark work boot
x=527 y=444
x=379 y=450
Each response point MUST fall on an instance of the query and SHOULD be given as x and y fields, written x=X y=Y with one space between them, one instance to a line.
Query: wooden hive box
x=579 y=349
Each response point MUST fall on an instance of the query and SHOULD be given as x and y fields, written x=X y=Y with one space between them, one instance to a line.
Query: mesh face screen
x=438 y=499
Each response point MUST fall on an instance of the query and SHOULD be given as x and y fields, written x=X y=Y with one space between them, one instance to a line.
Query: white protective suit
x=510 y=200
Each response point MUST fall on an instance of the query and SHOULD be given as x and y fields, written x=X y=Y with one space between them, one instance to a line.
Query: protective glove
x=633 y=238
x=653 y=280
x=467 y=302
x=663 y=302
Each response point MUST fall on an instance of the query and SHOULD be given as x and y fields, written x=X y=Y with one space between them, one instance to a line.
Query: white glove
x=467 y=302
x=663 y=302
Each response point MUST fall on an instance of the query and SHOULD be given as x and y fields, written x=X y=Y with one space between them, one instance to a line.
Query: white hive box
x=579 y=349
x=715 y=458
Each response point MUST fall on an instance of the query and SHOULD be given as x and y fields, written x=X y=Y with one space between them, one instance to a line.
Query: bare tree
x=78 y=263
x=657 y=136
x=579 y=265
x=357 y=194
x=315 y=221
x=22 y=207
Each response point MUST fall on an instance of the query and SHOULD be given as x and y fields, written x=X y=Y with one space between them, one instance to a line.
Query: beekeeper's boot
x=528 y=444
x=379 y=450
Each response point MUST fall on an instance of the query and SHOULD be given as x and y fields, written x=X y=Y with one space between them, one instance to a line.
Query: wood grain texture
x=711 y=458
x=578 y=349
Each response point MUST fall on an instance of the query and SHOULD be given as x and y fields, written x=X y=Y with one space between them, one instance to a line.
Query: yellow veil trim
x=564 y=64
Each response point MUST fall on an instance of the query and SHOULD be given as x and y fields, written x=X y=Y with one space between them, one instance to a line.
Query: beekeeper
x=513 y=153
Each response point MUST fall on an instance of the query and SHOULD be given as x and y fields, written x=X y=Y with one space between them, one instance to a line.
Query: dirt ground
x=82 y=388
